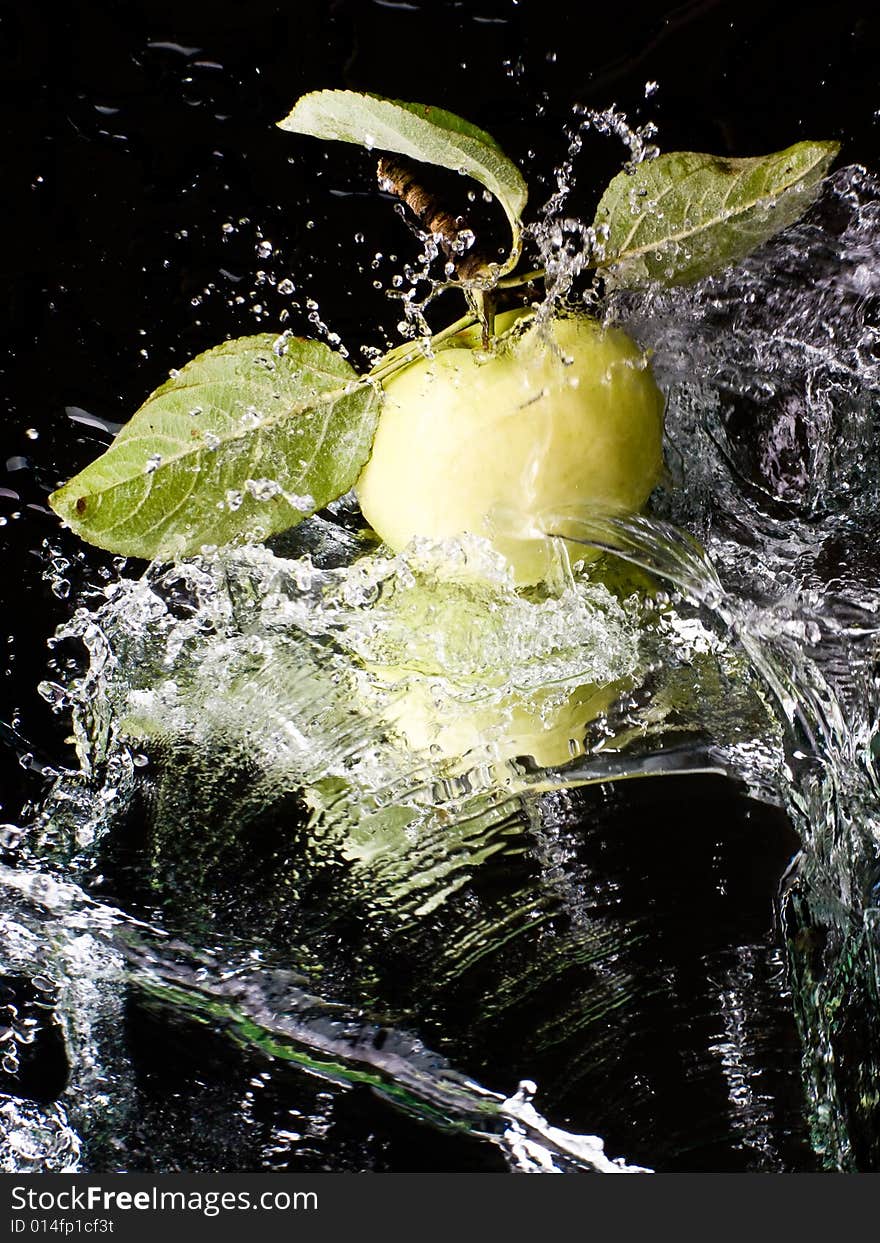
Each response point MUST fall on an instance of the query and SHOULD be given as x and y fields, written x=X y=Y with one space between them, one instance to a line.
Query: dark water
x=623 y=944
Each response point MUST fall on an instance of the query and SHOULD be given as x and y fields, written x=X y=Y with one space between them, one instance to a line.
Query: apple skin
x=555 y=418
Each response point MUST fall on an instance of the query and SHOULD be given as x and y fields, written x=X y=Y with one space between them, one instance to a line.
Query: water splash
x=249 y=688
x=307 y=1031
x=567 y=246
x=397 y=735
x=775 y=393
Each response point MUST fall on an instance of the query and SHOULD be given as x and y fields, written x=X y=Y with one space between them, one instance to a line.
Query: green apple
x=556 y=417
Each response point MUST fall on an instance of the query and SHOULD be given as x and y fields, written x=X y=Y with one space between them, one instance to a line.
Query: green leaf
x=419 y=132
x=685 y=215
x=246 y=440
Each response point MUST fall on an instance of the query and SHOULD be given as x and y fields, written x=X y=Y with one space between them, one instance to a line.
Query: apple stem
x=482 y=303
x=452 y=231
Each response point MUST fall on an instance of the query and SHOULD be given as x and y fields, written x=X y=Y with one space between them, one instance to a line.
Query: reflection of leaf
x=684 y=215
x=421 y=133
x=246 y=440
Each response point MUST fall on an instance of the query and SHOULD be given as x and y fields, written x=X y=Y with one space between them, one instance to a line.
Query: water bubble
x=263 y=489
x=286 y=287
x=264 y=249
x=10 y=836
x=32 y=433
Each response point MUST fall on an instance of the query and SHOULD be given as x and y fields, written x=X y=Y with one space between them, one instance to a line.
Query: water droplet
x=263 y=489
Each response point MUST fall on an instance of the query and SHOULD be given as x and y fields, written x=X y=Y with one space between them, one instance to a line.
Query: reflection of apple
x=472 y=669
x=491 y=444
x=544 y=724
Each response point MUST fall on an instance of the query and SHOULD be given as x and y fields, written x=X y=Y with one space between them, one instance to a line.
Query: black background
x=136 y=130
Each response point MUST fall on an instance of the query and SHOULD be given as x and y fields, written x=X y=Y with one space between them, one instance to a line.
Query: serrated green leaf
x=685 y=215
x=420 y=132
x=246 y=440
